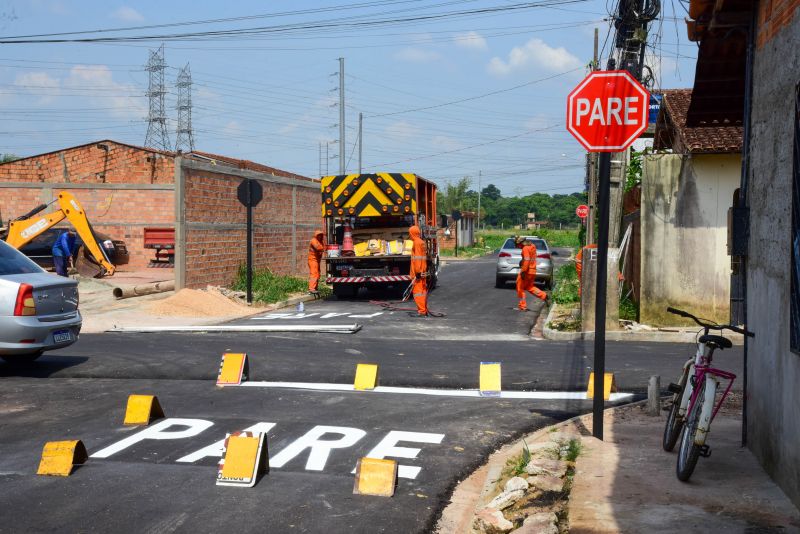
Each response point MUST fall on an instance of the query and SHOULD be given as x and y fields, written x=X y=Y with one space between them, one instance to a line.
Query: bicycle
x=693 y=402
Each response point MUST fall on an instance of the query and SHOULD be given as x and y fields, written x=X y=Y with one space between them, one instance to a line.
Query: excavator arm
x=27 y=227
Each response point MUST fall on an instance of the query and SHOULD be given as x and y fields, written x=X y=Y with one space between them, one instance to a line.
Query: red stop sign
x=607 y=111
x=582 y=211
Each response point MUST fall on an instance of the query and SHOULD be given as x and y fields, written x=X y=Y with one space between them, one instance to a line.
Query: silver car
x=510 y=256
x=38 y=310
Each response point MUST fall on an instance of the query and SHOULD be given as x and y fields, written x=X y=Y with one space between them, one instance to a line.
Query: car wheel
x=22 y=358
x=499 y=282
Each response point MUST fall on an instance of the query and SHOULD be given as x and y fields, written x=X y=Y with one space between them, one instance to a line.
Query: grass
x=566 y=286
x=515 y=466
x=270 y=287
x=628 y=309
x=554 y=238
x=574 y=449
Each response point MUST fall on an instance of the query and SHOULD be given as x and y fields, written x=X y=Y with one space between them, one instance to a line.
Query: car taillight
x=344 y=272
x=545 y=256
x=25 y=304
x=504 y=255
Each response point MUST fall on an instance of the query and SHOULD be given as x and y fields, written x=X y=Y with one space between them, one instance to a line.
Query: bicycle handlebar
x=712 y=326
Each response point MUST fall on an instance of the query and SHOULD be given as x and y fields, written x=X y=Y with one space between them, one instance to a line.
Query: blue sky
x=272 y=98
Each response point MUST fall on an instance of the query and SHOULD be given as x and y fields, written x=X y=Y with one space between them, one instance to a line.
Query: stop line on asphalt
x=316 y=315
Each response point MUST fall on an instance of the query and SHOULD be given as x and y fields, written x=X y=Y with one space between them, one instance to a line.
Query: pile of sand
x=196 y=303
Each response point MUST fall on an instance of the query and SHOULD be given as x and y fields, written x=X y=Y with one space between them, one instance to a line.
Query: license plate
x=61 y=336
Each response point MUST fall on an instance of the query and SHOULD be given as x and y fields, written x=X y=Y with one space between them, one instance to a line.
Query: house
x=688 y=186
x=463 y=229
x=126 y=188
x=747 y=70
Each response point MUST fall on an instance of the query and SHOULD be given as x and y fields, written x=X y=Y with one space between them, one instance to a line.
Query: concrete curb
x=658 y=336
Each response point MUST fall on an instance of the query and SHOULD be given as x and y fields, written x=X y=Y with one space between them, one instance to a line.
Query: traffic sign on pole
x=607 y=111
x=582 y=211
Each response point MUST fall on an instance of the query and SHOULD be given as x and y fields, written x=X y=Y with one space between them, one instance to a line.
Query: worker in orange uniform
x=579 y=265
x=419 y=271
x=527 y=273
x=315 y=250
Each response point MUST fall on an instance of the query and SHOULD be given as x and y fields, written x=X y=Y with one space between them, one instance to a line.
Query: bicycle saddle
x=718 y=341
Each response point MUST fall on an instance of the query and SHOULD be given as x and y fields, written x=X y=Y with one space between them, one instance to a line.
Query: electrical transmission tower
x=157 y=136
x=184 y=139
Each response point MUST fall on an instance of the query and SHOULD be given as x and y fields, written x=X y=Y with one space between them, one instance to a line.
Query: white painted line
x=539 y=395
x=329 y=328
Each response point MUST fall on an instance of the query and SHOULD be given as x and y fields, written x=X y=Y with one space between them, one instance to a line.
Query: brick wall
x=774 y=15
x=216 y=225
x=122 y=190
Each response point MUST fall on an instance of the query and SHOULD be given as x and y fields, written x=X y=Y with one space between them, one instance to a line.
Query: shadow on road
x=41 y=368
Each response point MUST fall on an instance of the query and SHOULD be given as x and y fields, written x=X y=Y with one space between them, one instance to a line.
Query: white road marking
x=331 y=328
x=329 y=315
x=538 y=395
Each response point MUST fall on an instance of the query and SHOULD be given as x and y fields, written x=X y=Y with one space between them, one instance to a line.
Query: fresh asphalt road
x=165 y=485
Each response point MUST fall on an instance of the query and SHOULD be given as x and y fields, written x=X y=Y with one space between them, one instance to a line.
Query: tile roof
x=672 y=132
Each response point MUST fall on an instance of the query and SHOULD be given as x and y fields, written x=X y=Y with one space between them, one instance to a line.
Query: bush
x=269 y=287
x=566 y=287
x=628 y=309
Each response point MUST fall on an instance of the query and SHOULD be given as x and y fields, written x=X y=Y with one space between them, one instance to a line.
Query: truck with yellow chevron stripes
x=367 y=217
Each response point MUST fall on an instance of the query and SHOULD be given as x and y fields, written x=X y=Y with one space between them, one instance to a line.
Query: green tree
x=491 y=192
x=5 y=158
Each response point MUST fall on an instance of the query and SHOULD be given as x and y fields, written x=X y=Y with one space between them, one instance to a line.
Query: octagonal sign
x=607 y=111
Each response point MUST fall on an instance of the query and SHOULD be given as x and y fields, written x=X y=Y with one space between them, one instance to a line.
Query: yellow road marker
x=59 y=457
x=609 y=385
x=366 y=376
x=142 y=409
x=244 y=459
x=490 y=379
x=233 y=369
x=375 y=477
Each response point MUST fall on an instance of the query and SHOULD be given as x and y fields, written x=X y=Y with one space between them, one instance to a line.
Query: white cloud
x=417 y=55
x=232 y=128
x=127 y=14
x=39 y=84
x=472 y=40
x=401 y=131
x=534 y=53
x=98 y=80
x=445 y=144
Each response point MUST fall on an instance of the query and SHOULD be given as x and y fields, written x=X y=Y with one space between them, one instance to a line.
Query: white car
x=509 y=258
x=38 y=310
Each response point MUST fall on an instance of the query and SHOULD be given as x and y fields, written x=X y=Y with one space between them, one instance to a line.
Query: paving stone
x=491 y=521
x=516 y=483
x=541 y=523
x=506 y=499
x=541 y=466
x=547 y=483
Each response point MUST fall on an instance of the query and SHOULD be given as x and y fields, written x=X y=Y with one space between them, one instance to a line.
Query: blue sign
x=655 y=107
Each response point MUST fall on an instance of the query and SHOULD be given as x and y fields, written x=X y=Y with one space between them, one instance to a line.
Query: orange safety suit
x=579 y=265
x=315 y=250
x=527 y=276
x=419 y=270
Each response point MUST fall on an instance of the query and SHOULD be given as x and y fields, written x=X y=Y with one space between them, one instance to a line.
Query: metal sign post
x=249 y=194
x=606 y=113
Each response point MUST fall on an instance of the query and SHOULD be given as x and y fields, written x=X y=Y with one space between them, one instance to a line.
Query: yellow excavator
x=26 y=227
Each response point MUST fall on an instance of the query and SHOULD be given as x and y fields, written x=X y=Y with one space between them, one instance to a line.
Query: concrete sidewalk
x=627 y=482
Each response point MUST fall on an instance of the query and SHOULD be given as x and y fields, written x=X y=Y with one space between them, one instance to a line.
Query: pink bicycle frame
x=700 y=372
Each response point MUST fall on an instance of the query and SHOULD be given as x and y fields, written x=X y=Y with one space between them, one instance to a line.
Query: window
x=14 y=262
x=794 y=334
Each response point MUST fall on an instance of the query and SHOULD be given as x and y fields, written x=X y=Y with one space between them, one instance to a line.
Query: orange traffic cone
x=347 y=242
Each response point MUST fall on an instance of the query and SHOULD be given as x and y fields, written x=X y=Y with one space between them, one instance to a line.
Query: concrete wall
x=214 y=224
x=684 y=210
x=122 y=189
x=773 y=371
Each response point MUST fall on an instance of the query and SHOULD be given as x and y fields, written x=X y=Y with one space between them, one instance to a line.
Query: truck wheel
x=345 y=290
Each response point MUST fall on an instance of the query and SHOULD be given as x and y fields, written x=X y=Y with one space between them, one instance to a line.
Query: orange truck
x=367 y=217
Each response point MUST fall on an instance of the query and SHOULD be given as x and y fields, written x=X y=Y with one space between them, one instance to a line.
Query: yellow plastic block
x=490 y=379
x=609 y=385
x=233 y=369
x=142 y=409
x=244 y=459
x=59 y=457
x=375 y=477
x=366 y=376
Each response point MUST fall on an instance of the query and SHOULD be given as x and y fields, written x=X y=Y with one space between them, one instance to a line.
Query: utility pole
x=479 y=200
x=327 y=158
x=360 y=140
x=341 y=117
x=320 y=159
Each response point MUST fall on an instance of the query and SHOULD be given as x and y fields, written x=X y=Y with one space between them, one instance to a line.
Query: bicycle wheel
x=672 y=430
x=689 y=452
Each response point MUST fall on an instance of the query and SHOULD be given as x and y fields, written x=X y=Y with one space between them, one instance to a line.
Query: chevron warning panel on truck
x=367 y=217
x=369 y=195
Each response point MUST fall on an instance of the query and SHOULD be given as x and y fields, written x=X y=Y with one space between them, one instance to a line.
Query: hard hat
x=518 y=240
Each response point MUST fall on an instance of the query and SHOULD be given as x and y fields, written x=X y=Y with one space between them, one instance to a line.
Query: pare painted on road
x=177 y=439
x=316 y=315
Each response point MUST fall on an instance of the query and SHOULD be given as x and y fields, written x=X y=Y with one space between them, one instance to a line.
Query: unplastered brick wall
x=215 y=223
x=122 y=189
